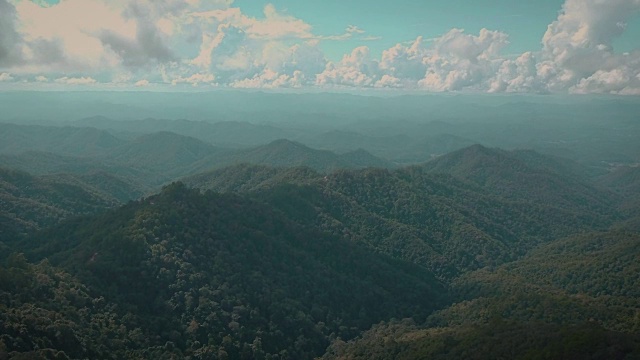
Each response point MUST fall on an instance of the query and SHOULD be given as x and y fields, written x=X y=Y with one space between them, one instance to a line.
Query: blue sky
x=543 y=46
x=402 y=20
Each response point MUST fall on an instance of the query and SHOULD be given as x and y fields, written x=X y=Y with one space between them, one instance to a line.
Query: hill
x=286 y=153
x=70 y=141
x=245 y=178
x=28 y=203
x=573 y=298
x=438 y=221
x=211 y=274
x=523 y=174
x=221 y=133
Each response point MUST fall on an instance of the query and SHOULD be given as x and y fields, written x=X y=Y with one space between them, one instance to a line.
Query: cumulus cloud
x=10 y=40
x=518 y=75
x=270 y=79
x=5 y=77
x=195 y=79
x=578 y=47
x=211 y=42
x=454 y=61
x=76 y=80
x=355 y=69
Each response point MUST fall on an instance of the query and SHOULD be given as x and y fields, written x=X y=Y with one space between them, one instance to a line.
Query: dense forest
x=233 y=240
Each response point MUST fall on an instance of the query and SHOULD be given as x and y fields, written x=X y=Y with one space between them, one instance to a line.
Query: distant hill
x=286 y=153
x=165 y=154
x=625 y=182
x=70 y=141
x=523 y=174
x=29 y=203
x=223 y=133
x=401 y=148
x=246 y=178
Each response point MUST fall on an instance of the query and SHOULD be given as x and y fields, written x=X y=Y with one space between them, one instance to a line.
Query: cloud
x=578 y=47
x=195 y=79
x=10 y=40
x=350 y=32
x=270 y=79
x=76 y=80
x=518 y=75
x=356 y=69
x=195 y=42
x=452 y=62
x=5 y=77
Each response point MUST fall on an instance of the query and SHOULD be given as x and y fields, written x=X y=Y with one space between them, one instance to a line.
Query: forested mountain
x=523 y=175
x=212 y=274
x=153 y=159
x=29 y=202
x=69 y=141
x=573 y=298
x=286 y=153
x=224 y=133
x=282 y=251
x=443 y=222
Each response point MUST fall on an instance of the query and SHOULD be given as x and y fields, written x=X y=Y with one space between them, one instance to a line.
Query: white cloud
x=578 y=47
x=355 y=69
x=452 y=62
x=76 y=80
x=10 y=39
x=270 y=79
x=518 y=75
x=5 y=77
x=195 y=79
x=134 y=42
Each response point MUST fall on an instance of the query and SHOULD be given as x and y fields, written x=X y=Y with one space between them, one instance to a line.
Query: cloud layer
x=141 y=43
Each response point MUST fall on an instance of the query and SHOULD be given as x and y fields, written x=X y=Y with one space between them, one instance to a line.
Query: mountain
x=286 y=153
x=408 y=147
x=523 y=174
x=202 y=274
x=575 y=297
x=28 y=202
x=245 y=178
x=221 y=133
x=164 y=154
x=438 y=221
x=69 y=141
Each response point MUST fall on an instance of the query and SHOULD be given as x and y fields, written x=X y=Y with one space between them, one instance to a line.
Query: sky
x=479 y=46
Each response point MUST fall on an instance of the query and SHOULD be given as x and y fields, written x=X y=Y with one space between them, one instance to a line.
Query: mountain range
x=153 y=244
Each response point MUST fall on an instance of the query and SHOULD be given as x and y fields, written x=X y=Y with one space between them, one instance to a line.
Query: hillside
x=246 y=178
x=163 y=154
x=70 y=141
x=292 y=253
x=438 y=221
x=28 y=203
x=220 y=133
x=524 y=175
x=286 y=153
x=213 y=273
x=573 y=298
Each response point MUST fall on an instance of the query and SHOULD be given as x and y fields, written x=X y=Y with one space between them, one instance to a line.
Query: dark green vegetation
x=29 y=202
x=163 y=239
